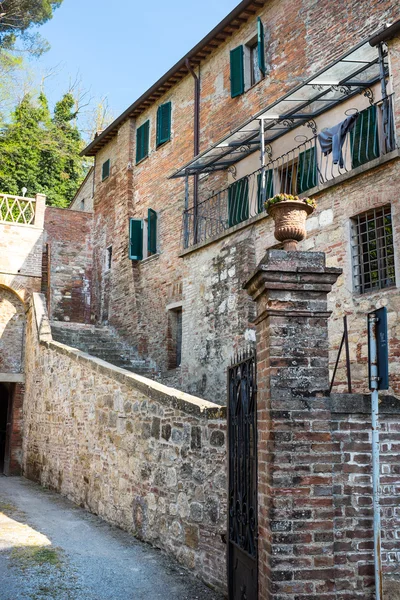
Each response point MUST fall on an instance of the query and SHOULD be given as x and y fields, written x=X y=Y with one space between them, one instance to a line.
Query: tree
x=17 y=17
x=41 y=152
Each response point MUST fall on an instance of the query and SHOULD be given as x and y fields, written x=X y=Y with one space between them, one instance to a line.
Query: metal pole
x=262 y=140
x=375 y=453
x=346 y=342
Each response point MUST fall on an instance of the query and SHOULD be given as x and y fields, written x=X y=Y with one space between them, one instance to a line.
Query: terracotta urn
x=290 y=221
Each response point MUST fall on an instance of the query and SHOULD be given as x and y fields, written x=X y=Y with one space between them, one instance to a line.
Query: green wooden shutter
x=135 y=239
x=142 y=141
x=260 y=46
x=307 y=170
x=238 y=202
x=364 y=139
x=151 y=231
x=163 y=123
x=105 y=171
x=237 y=72
x=269 y=188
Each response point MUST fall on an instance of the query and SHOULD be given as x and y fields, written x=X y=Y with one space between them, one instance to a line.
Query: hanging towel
x=332 y=140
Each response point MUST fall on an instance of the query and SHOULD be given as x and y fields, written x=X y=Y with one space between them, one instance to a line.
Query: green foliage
x=18 y=16
x=41 y=152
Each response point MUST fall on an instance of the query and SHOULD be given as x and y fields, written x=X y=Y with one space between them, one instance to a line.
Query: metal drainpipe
x=196 y=145
x=375 y=455
x=385 y=99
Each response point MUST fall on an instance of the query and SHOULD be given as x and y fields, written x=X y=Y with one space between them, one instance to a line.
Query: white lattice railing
x=17 y=209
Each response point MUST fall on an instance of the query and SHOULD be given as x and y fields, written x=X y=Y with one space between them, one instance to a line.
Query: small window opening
x=174 y=338
x=83 y=204
x=108 y=258
x=373 y=250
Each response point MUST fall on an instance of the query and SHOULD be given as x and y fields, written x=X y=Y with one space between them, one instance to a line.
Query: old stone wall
x=68 y=264
x=12 y=330
x=207 y=299
x=143 y=456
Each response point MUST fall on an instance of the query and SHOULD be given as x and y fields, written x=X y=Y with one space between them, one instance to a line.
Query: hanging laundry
x=332 y=139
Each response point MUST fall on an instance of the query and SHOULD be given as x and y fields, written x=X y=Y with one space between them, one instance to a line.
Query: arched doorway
x=5 y=427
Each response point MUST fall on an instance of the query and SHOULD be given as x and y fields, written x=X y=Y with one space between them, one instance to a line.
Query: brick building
x=181 y=234
x=146 y=270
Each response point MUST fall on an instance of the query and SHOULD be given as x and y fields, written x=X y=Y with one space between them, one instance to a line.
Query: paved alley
x=50 y=549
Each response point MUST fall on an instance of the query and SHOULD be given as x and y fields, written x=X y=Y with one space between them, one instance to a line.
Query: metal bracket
x=312 y=125
x=232 y=170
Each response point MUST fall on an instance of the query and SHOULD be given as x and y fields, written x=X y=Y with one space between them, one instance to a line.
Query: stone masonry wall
x=68 y=236
x=206 y=300
x=143 y=456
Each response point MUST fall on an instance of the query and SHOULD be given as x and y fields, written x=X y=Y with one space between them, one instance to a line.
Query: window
x=373 y=250
x=300 y=174
x=163 y=124
x=108 y=258
x=364 y=140
x=105 y=171
x=83 y=204
x=247 y=63
x=238 y=202
x=269 y=188
x=142 y=141
x=143 y=236
x=174 y=338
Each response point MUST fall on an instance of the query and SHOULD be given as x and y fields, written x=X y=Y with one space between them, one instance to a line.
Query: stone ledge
x=154 y=390
x=361 y=404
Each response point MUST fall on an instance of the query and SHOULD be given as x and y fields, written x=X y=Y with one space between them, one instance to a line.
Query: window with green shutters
x=105 y=170
x=163 y=123
x=307 y=170
x=151 y=232
x=260 y=46
x=143 y=236
x=142 y=141
x=237 y=71
x=135 y=239
x=269 y=188
x=238 y=202
x=364 y=140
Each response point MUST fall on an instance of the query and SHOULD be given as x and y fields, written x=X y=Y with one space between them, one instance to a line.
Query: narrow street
x=51 y=549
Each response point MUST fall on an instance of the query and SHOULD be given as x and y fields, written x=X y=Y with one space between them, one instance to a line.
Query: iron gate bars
x=242 y=514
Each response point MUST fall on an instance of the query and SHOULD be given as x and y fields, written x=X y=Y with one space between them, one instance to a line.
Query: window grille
x=373 y=251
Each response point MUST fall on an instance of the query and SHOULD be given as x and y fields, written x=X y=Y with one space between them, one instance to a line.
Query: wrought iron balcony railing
x=295 y=172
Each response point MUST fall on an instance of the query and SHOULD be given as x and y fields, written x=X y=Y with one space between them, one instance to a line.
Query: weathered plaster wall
x=12 y=329
x=148 y=458
x=83 y=199
x=68 y=254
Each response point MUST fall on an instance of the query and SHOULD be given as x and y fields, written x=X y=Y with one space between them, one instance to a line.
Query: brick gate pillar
x=294 y=440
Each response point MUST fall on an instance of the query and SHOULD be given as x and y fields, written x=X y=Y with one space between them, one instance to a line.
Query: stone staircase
x=104 y=343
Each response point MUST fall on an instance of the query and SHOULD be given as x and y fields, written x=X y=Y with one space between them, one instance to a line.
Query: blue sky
x=119 y=49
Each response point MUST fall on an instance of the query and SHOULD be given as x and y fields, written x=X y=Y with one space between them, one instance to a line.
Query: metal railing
x=297 y=171
x=17 y=209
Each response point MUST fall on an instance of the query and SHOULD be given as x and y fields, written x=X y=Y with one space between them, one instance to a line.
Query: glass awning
x=349 y=75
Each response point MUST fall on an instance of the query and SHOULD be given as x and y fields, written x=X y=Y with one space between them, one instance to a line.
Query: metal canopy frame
x=354 y=73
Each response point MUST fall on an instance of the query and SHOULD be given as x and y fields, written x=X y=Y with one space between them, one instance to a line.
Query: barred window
x=373 y=251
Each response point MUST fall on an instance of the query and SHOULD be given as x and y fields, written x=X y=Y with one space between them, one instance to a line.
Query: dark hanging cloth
x=332 y=140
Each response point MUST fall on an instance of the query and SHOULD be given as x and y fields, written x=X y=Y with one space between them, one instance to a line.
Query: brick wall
x=300 y=39
x=145 y=457
x=352 y=479
x=68 y=239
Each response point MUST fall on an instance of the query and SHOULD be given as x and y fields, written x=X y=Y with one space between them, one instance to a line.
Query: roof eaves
x=235 y=15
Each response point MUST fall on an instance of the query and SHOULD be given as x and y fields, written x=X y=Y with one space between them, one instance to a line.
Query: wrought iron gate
x=242 y=514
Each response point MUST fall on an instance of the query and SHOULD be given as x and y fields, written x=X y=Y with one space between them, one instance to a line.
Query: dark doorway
x=5 y=418
x=242 y=515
